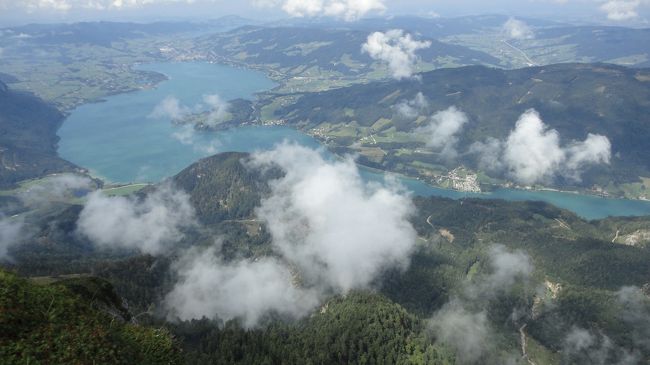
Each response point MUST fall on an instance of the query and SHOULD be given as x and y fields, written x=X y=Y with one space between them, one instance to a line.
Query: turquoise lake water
x=119 y=141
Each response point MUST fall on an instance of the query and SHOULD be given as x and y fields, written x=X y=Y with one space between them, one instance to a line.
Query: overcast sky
x=623 y=12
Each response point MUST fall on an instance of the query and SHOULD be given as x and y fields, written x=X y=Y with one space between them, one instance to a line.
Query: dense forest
x=575 y=280
x=76 y=320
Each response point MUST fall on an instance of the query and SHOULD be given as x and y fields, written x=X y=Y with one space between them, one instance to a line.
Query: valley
x=237 y=191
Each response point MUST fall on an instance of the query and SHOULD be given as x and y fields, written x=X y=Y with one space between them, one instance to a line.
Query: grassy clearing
x=124 y=190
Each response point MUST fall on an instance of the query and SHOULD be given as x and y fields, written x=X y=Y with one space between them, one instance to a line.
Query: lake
x=119 y=141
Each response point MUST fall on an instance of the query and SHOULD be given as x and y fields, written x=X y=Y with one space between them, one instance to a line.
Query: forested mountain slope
x=573 y=99
x=580 y=275
x=28 y=137
x=74 y=321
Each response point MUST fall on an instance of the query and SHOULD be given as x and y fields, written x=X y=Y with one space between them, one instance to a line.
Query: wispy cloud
x=517 y=29
x=60 y=187
x=411 y=109
x=442 y=130
x=582 y=346
x=349 y=10
x=11 y=230
x=218 y=109
x=620 y=10
x=67 y=5
x=170 y=108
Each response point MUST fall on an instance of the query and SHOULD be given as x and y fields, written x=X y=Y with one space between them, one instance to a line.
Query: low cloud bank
x=467 y=332
x=152 y=224
x=55 y=188
x=331 y=233
x=583 y=346
x=11 y=230
x=462 y=323
x=396 y=49
x=40 y=195
x=245 y=289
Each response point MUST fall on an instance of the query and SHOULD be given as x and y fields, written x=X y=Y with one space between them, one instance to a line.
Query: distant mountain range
x=300 y=51
x=104 y=33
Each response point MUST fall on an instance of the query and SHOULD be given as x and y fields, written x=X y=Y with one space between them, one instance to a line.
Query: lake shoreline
x=118 y=141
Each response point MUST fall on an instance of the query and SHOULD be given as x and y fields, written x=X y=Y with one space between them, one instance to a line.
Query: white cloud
x=507 y=269
x=340 y=231
x=620 y=10
x=245 y=289
x=206 y=144
x=331 y=232
x=635 y=312
x=413 y=108
x=443 y=129
x=170 y=108
x=265 y=3
x=582 y=346
x=595 y=149
x=488 y=154
x=396 y=49
x=10 y=234
x=218 y=109
x=151 y=224
x=346 y=9
x=517 y=29
x=533 y=153
x=465 y=331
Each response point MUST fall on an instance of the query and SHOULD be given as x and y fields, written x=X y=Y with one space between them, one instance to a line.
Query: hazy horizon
x=634 y=13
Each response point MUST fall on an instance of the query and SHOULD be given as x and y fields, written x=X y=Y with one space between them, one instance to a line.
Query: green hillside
x=317 y=59
x=74 y=321
x=579 y=267
x=574 y=99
